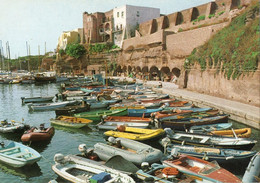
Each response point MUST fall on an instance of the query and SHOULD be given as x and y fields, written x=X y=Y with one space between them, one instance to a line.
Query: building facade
x=117 y=24
x=70 y=37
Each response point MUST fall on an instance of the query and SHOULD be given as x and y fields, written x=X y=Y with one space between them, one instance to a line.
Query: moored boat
x=70 y=110
x=112 y=122
x=133 y=151
x=201 y=169
x=69 y=121
x=252 y=172
x=51 y=106
x=209 y=127
x=209 y=140
x=18 y=155
x=36 y=99
x=96 y=116
x=35 y=134
x=13 y=126
x=242 y=132
x=70 y=170
x=136 y=133
x=180 y=124
x=222 y=156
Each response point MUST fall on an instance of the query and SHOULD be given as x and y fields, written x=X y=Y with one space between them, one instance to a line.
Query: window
x=117 y=14
x=117 y=27
x=137 y=13
x=122 y=14
x=89 y=19
x=121 y=26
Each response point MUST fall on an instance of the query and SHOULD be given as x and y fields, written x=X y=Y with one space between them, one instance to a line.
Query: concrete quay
x=240 y=112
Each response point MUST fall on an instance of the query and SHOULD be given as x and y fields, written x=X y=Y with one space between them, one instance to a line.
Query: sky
x=42 y=21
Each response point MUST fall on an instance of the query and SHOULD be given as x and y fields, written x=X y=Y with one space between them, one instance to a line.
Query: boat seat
x=204 y=140
x=21 y=154
x=9 y=149
x=195 y=169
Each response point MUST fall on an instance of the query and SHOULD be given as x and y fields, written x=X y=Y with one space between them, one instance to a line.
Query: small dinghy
x=18 y=155
x=112 y=122
x=209 y=140
x=36 y=99
x=71 y=170
x=133 y=151
x=35 y=134
x=69 y=121
x=136 y=133
x=222 y=156
x=242 y=132
x=13 y=126
x=210 y=127
x=51 y=106
x=96 y=116
x=252 y=173
x=201 y=169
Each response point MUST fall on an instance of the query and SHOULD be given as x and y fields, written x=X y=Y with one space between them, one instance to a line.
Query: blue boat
x=222 y=156
x=252 y=173
x=209 y=127
x=142 y=112
x=18 y=155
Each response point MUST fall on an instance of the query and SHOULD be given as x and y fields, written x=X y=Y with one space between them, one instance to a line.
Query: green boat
x=66 y=124
x=97 y=115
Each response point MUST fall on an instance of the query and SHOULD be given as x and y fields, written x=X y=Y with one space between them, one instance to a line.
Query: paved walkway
x=244 y=113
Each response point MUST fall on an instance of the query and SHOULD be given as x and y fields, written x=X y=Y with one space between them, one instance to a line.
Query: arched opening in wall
x=154 y=73
x=166 y=74
x=213 y=8
x=179 y=18
x=129 y=69
x=176 y=74
x=107 y=27
x=154 y=27
x=145 y=73
x=235 y=4
x=124 y=70
x=107 y=38
x=165 y=23
x=194 y=14
x=118 y=71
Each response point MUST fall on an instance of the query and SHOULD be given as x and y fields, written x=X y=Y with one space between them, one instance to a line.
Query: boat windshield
x=208 y=169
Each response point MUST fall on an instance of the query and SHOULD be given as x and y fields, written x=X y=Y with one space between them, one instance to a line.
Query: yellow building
x=70 y=37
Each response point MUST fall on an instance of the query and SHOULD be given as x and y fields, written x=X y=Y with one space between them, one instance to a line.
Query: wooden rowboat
x=242 y=132
x=209 y=127
x=112 y=122
x=136 y=133
x=201 y=169
x=18 y=155
x=96 y=116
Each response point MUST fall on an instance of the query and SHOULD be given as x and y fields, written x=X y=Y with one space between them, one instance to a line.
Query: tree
x=75 y=50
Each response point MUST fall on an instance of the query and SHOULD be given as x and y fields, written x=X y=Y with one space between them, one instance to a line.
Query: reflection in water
x=39 y=146
x=25 y=172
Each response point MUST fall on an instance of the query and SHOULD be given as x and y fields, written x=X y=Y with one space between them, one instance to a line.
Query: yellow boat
x=137 y=133
x=242 y=132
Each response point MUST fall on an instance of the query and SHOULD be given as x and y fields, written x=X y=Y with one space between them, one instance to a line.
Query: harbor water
x=64 y=141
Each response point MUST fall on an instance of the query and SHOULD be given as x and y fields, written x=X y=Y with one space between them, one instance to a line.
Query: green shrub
x=211 y=15
x=75 y=50
x=220 y=13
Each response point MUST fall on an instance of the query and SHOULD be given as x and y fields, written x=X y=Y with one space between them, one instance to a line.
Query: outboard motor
x=59 y=158
x=111 y=140
x=145 y=166
x=164 y=142
x=42 y=126
x=2 y=144
x=168 y=131
x=175 y=152
x=83 y=149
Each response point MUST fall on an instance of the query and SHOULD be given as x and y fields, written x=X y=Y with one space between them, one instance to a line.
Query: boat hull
x=38 y=136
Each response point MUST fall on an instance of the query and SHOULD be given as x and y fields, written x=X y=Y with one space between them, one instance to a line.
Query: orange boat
x=35 y=134
x=177 y=103
x=242 y=132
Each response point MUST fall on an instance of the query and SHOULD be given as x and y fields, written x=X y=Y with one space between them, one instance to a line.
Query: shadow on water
x=39 y=146
x=25 y=172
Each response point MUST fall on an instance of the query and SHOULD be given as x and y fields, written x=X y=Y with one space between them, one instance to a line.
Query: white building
x=127 y=18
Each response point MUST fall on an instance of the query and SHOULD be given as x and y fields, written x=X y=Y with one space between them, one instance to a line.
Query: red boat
x=201 y=169
x=35 y=134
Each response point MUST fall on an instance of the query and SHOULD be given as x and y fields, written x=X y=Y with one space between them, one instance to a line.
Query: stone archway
x=118 y=71
x=154 y=73
x=145 y=73
x=176 y=74
x=166 y=73
x=194 y=14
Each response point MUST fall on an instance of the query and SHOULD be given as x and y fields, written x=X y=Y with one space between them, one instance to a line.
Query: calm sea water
x=64 y=141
